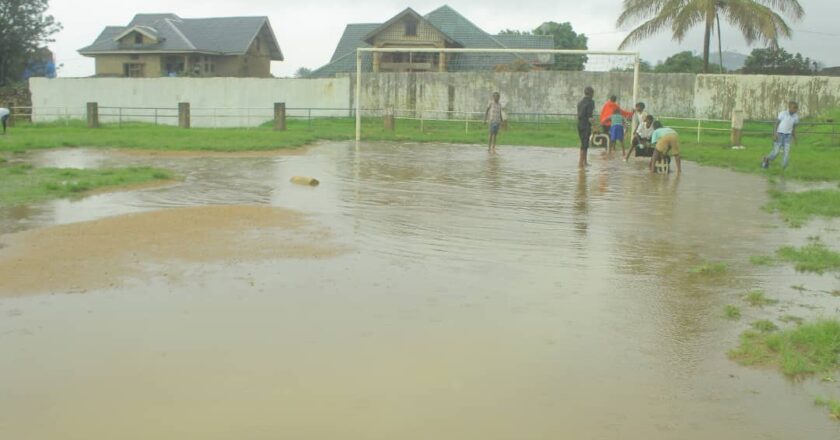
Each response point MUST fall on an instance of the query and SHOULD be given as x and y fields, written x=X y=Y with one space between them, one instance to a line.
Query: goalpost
x=432 y=106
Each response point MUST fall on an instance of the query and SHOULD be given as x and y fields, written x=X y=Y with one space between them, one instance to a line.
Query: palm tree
x=756 y=19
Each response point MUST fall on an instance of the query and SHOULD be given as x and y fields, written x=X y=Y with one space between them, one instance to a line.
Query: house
x=154 y=45
x=442 y=28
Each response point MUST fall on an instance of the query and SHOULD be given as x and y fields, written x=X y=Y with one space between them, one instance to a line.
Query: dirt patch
x=102 y=253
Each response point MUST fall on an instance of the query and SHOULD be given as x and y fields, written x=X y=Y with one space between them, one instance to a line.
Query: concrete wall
x=436 y=95
x=234 y=101
x=763 y=96
x=432 y=94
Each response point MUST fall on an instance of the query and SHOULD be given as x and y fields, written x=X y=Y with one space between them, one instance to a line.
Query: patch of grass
x=762 y=260
x=25 y=184
x=710 y=268
x=814 y=257
x=833 y=406
x=757 y=298
x=791 y=318
x=797 y=208
x=731 y=312
x=299 y=132
x=808 y=349
x=764 y=326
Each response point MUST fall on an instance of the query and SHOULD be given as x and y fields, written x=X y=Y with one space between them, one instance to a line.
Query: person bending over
x=667 y=143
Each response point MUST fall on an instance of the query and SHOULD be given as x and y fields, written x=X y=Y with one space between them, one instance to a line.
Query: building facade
x=155 y=45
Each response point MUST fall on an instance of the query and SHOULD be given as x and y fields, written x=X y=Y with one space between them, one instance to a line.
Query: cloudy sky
x=309 y=30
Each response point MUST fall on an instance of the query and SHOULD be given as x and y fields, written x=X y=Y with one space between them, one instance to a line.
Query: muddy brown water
x=506 y=297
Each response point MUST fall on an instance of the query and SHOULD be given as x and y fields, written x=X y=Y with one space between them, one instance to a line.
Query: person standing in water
x=585 y=109
x=494 y=117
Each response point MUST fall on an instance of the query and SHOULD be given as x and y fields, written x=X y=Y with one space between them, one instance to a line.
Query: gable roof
x=216 y=36
x=408 y=12
x=460 y=31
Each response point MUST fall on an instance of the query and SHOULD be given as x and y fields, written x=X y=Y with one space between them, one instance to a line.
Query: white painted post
x=636 y=64
x=358 y=97
x=698 y=131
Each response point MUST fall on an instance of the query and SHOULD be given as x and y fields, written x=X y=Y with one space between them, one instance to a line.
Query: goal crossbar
x=362 y=50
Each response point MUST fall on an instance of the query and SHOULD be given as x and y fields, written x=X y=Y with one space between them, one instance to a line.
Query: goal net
x=431 y=90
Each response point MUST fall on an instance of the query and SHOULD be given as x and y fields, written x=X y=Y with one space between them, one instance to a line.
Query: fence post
x=93 y=115
x=389 y=120
x=156 y=114
x=280 y=116
x=184 y=114
x=737 y=127
x=699 y=129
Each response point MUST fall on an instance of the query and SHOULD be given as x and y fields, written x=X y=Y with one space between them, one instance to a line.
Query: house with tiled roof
x=442 y=28
x=154 y=45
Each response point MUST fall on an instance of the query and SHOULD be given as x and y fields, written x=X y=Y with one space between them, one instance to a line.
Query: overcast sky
x=308 y=31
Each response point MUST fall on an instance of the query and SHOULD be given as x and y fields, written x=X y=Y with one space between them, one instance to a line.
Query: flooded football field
x=421 y=291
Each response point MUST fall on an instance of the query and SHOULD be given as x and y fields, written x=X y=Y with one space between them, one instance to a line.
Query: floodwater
x=469 y=297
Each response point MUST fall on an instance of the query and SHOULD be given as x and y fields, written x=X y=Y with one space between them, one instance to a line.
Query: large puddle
x=476 y=297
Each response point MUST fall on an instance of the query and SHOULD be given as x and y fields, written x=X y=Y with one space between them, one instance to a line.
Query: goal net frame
x=372 y=50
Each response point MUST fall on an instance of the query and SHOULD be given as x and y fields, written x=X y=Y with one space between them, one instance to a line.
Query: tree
x=303 y=72
x=777 y=61
x=24 y=27
x=683 y=62
x=756 y=19
x=564 y=37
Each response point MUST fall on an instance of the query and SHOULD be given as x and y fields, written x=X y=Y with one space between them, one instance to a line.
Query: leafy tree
x=758 y=20
x=24 y=27
x=683 y=62
x=303 y=72
x=564 y=37
x=777 y=61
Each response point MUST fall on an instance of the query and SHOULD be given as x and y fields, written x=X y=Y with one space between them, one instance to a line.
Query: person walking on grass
x=585 y=110
x=4 y=117
x=784 y=134
x=667 y=143
x=494 y=117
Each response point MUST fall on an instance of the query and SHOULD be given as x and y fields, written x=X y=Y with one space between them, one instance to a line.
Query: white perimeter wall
x=214 y=102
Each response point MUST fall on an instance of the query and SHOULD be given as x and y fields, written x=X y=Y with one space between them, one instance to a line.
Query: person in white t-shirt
x=641 y=139
x=4 y=117
x=784 y=134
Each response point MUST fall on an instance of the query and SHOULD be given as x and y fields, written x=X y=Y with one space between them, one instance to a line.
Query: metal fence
x=250 y=117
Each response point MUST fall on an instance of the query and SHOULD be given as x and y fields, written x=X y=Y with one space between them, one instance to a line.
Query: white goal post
x=431 y=50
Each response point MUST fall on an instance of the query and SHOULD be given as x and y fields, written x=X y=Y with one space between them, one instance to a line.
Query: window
x=208 y=66
x=411 y=27
x=138 y=38
x=133 y=70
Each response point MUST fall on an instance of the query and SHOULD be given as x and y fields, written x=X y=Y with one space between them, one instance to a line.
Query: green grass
x=797 y=208
x=815 y=158
x=764 y=326
x=731 y=312
x=808 y=349
x=833 y=406
x=791 y=318
x=757 y=298
x=298 y=133
x=813 y=257
x=25 y=184
x=762 y=260
x=710 y=269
